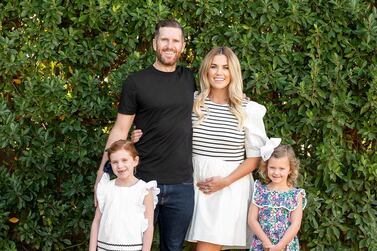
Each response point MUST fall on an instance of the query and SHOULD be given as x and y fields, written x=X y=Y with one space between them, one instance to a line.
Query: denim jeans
x=173 y=214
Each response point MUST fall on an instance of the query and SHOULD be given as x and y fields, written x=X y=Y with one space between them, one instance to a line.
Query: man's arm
x=119 y=131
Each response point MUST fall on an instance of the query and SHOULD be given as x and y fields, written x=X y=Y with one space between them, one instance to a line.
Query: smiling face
x=218 y=73
x=278 y=170
x=169 y=45
x=123 y=164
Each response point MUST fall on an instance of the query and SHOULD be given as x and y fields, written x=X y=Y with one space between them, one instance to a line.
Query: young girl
x=276 y=210
x=124 y=215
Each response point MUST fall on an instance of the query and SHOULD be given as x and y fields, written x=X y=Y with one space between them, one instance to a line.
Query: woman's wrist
x=227 y=181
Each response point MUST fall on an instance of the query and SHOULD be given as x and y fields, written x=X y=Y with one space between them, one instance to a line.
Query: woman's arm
x=293 y=229
x=94 y=230
x=214 y=184
x=148 y=214
x=254 y=225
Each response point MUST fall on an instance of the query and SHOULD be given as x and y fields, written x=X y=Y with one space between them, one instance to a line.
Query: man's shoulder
x=181 y=71
x=184 y=69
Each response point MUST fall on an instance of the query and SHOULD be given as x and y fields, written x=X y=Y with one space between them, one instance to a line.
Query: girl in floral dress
x=276 y=210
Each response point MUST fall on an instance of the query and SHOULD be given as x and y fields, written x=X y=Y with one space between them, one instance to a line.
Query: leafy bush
x=312 y=63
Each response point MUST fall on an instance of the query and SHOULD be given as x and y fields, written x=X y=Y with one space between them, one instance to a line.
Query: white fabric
x=221 y=218
x=256 y=141
x=269 y=147
x=122 y=222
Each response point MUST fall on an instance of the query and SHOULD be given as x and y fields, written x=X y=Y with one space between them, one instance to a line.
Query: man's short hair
x=168 y=23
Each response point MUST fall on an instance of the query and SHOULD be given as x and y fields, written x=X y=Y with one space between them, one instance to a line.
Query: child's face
x=278 y=170
x=123 y=164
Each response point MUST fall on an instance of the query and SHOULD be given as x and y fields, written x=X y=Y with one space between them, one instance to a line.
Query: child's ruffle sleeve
x=257 y=143
x=263 y=197
x=304 y=199
x=150 y=186
x=290 y=199
x=101 y=190
x=259 y=198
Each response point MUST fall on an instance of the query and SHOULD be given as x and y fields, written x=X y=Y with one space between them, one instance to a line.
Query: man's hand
x=136 y=135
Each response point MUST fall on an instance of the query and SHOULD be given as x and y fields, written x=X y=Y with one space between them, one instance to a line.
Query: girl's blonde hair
x=235 y=93
x=294 y=164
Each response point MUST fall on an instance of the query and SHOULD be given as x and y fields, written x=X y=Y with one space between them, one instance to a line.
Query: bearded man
x=159 y=100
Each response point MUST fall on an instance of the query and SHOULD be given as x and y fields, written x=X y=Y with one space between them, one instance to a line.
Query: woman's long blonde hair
x=235 y=86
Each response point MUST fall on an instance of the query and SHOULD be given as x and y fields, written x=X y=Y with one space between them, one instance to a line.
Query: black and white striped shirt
x=218 y=134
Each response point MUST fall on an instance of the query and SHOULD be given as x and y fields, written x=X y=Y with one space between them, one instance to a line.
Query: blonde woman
x=226 y=128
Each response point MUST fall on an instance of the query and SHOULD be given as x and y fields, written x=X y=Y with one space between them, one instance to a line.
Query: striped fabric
x=218 y=134
x=101 y=245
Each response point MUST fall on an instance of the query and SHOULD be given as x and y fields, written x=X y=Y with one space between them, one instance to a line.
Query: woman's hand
x=212 y=184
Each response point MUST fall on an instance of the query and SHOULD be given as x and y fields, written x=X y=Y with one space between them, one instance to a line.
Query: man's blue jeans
x=173 y=214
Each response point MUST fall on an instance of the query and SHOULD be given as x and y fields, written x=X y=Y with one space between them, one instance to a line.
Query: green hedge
x=313 y=64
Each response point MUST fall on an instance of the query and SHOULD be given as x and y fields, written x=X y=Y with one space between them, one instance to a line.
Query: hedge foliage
x=313 y=64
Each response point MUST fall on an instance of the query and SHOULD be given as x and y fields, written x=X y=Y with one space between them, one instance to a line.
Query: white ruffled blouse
x=257 y=143
x=219 y=136
x=122 y=223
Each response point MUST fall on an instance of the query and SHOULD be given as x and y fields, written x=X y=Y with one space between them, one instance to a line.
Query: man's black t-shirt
x=162 y=104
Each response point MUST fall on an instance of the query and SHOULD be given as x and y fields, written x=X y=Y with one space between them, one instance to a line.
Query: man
x=158 y=100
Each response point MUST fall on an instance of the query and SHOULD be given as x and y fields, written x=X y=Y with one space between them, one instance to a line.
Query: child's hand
x=267 y=245
x=275 y=248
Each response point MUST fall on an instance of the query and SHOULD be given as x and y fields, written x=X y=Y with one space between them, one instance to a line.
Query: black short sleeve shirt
x=162 y=104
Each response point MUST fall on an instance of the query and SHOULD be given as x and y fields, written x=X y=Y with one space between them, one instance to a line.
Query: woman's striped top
x=218 y=134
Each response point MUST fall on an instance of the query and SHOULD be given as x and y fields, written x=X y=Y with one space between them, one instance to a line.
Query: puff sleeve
x=101 y=190
x=149 y=186
x=152 y=186
x=257 y=143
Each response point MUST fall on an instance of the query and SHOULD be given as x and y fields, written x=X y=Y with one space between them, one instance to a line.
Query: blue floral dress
x=274 y=213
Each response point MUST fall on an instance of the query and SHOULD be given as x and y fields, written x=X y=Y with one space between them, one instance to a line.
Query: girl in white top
x=124 y=216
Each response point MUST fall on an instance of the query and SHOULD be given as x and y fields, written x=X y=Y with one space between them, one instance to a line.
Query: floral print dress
x=274 y=213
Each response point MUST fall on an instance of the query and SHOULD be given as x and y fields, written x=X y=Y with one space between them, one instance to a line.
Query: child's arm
x=148 y=214
x=254 y=225
x=293 y=229
x=94 y=230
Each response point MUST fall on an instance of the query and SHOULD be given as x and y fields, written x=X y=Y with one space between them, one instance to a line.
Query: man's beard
x=163 y=61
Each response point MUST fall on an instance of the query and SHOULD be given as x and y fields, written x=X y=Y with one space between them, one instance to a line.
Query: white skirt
x=220 y=218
